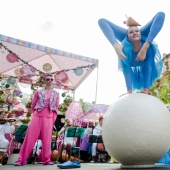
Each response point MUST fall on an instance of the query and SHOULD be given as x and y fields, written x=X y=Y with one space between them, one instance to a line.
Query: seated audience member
x=5 y=127
x=84 y=144
x=67 y=143
x=96 y=131
x=37 y=147
x=37 y=151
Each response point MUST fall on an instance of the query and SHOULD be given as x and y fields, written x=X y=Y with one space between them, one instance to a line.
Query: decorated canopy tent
x=45 y=59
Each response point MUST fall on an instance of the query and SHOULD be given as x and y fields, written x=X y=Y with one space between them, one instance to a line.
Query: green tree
x=66 y=102
x=161 y=88
x=83 y=105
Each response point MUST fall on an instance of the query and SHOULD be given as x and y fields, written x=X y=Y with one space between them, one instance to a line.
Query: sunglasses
x=49 y=79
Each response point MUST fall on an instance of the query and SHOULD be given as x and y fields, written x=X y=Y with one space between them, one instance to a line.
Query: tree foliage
x=83 y=105
x=161 y=88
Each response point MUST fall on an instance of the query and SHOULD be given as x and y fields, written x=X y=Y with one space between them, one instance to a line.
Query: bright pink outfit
x=40 y=127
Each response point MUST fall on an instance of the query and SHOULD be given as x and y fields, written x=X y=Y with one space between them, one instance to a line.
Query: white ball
x=136 y=129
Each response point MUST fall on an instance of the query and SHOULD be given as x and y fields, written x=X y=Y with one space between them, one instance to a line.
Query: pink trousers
x=39 y=128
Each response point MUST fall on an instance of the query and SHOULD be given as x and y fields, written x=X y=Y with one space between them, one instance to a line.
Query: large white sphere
x=136 y=129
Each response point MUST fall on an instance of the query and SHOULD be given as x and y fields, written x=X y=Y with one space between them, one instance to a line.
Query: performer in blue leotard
x=139 y=57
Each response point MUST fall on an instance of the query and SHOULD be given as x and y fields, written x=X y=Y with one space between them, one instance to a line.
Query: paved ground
x=85 y=166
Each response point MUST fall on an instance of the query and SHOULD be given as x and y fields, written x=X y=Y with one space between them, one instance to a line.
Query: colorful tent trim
x=46 y=49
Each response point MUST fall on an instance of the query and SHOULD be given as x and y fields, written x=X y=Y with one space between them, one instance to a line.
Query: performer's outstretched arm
x=128 y=80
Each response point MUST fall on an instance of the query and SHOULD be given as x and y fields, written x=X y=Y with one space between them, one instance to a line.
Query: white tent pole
x=96 y=84
x=74 y=96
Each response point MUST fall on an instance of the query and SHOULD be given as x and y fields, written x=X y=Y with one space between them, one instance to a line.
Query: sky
x=72 y=26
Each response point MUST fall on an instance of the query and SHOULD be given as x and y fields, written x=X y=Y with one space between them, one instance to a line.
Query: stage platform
x=85 y=166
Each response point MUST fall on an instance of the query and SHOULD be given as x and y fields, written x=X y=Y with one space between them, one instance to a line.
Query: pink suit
x=40 y=127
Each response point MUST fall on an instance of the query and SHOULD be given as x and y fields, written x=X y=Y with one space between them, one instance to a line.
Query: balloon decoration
x=11 y=80
x=7 y=85
x=28 y=70
x=16 y=92
x=63 y=95
x=47 y=67
x=61 y=77
x=17 y=72
x=12 y=57
x=78 y=71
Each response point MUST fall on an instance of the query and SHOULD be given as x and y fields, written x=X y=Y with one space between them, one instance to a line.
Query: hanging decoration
x=17 y=72
x=78 y=71
x=25 y=79
x=61 y=77
x=16 y=92
x=25 y=73
x=28 y=70
x=7 y=85
x=11 y=80
x=12 y=57
x=47 y=67
x=63 y=95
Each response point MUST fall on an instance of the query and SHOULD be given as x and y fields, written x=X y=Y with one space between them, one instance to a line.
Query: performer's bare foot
x=129 y=92
x=118 y=49
x=142 y=53
x=147 y=92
